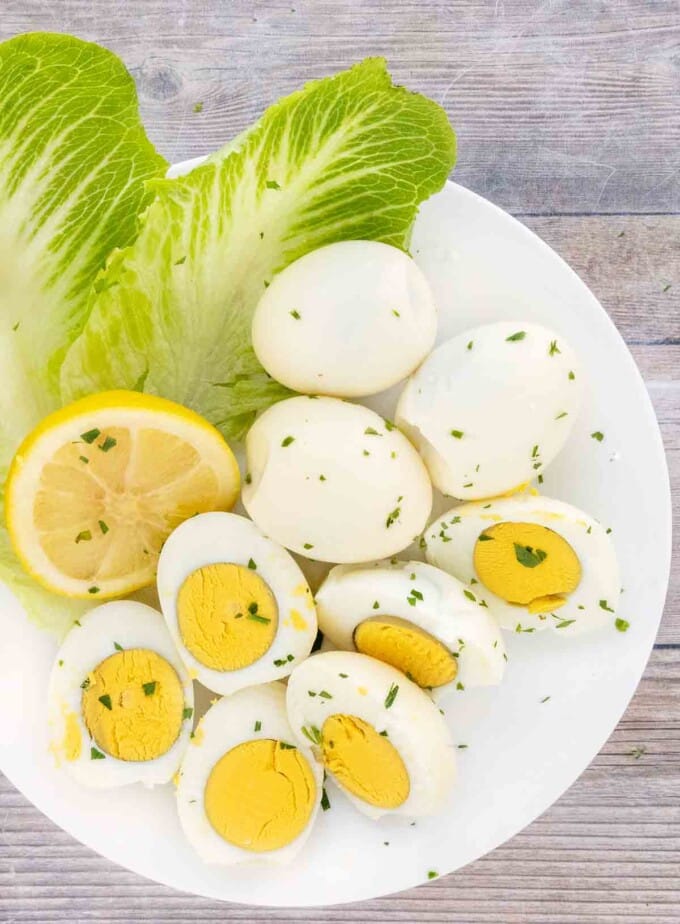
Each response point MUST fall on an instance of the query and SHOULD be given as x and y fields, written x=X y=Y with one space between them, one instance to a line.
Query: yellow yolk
x=260 y=795
x=365 y=762
x=227 y=616
x=133 y=705
x=527 y=564
x=407 y=647
x=71 y=743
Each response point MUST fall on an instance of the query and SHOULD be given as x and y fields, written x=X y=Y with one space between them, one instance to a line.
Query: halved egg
x=120 y=700
x=491 y=408
x=378 y=735
x=237 y=605
x=245 y=790
x=415 y=617
x=540 y=563
x=333 y=481
x=348 y=319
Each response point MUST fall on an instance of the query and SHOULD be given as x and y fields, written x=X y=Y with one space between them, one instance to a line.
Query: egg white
x=413 y=723
x=489 y=413
x=130 y=625
x=333 y=481
x=227 y=537
x=600 y=580
x=348 y=319
x=449 y=610
x=228 y=723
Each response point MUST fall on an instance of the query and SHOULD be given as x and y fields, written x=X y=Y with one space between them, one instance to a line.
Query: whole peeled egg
x=120 y=700
x=333 y=481
x=349 y=319
x=491 y=408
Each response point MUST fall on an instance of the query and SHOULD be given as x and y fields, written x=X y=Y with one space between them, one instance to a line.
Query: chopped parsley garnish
x=290 y=657
x=457 y=434
x=61 y=663
x=462 y=747
x=286 y=441
x=432 y=874
x=571 y=376
x=85 y=685
x=90 y=436
x=180 y=261
x=396 y=313
x=322 y=477
x=540 y=479
x=605 y=606
x=371 y=431
x=598 y=435
x=561 y=415
x=252 y=608
x=528 y=556
x=638 y=752
x=520 y=628
x=312 y=733
x=187 y=712
x=117 y=646
x=258 y=725
x=563 y=623
x=308 y=545
x=279 y=662
x=84 y=459
x=553 y=348
x=534 y=451
x=470 y=595
x=96 y=755
x=392 y=517
x=389 y=426
x=295 y=314
x=366 y=452
x=265 y=620
x=383 y=733
x=149 y=688
x=483 y=537
x=285 y=746
x=108 y=443
x=324 y=694
x=545 y=699
x=621 y=624
x=272 y=184
x=198 y=107
x=252 y=565
x=311 y=693
x=103 y=527
x=520 y=335
x=460 y=686
x=325 y=801
x=249 y=478
x=391 y=695
x=105 y=700
x=470 y=344
x=77 y=622
x=376 y=605
x=84 y=536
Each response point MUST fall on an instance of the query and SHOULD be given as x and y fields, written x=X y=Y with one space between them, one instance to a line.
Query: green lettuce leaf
x=74 y=159
x=351 y=156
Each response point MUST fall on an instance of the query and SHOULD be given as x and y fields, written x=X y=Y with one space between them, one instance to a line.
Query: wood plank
x=559 y=107
x=608 y=852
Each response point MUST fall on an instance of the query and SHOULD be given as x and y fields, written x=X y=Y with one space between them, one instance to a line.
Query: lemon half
x=96 y=488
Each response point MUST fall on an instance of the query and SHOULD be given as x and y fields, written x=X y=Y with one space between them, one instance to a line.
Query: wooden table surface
x=568 y=116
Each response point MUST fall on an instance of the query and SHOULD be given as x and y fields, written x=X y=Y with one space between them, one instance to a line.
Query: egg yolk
x=527 y=564
x=133 y=705
x=416 y=653
x=260 y=795
x=227 y=616
x=365 y=762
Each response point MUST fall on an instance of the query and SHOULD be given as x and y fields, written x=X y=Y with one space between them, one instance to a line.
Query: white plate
x=522 y=754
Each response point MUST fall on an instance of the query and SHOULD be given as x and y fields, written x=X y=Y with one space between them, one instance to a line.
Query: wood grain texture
x=567 y=115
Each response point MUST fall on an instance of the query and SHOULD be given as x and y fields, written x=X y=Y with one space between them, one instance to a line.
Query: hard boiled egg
x=120 y=700
x=491 y=408
x=348 y=319
x=540 y=563
x=378 y=735
x=245 y=790
x=237 y=605
x=416 y=618
x=334 y=481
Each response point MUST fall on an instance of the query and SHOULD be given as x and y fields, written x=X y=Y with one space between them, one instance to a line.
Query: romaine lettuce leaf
x=73 y=161
x=351 y=156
